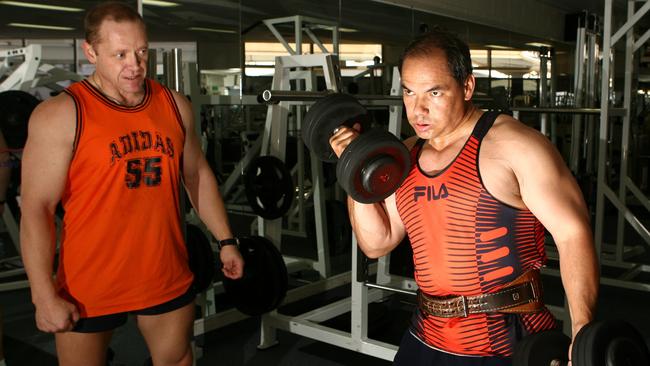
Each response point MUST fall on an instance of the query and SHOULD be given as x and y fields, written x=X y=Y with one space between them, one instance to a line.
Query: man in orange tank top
x=115 y=150
x=478 y=196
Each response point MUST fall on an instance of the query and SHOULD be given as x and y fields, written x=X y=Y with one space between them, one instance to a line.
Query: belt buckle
x=463 y=301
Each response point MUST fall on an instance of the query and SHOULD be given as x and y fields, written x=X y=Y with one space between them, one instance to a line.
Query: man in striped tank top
x=481 y=191
x=115 y=150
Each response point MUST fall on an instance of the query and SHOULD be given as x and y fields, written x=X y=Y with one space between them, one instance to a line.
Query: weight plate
x=540 y=349
x=598 y=342
x=373 y=166
x=324 y=116
x=201 y=257
x=269 y=187
x=264 y=283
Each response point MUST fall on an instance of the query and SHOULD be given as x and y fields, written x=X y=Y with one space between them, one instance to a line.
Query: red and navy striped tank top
x=466 y=242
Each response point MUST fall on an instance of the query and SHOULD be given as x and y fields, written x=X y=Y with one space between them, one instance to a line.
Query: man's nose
x=421 y=105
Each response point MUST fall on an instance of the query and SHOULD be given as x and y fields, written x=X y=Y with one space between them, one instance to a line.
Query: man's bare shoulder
x=182 y=101
x=184 y=107
x=511 y=136
x=522 y=148
x=54 y=113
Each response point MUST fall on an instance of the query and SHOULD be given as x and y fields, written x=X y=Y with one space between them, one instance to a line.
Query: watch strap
x=229 y=241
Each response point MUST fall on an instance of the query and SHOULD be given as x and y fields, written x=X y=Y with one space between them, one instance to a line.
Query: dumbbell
x=373 y=165
x=606 y=343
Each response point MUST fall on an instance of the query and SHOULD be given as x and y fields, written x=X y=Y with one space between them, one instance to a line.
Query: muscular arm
x=203 y=190
x=549 y=190
x=377 y=226
x=45 y=163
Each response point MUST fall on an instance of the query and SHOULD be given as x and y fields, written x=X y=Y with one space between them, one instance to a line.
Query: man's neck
x=127 y=100
x=457 y=130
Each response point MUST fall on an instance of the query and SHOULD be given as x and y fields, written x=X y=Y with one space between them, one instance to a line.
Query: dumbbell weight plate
x=201 y=257
x=264 y=283
x=540 y=349
x=601 y=343
x=625 y=351
x=372 y=166
x=324 y=116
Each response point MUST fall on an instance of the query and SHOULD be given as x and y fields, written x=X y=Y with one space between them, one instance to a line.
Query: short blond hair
x=110 y=10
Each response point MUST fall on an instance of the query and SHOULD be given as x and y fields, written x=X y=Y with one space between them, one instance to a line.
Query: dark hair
x=457 y=51
x=110 y=10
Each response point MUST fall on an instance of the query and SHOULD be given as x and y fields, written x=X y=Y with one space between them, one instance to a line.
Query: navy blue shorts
x=412 y=352
x=111 y=321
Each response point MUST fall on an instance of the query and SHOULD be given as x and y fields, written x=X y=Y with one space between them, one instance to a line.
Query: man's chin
x=133 y=86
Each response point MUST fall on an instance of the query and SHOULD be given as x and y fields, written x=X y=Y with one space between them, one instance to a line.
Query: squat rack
x=309 y=324
x=604 y=191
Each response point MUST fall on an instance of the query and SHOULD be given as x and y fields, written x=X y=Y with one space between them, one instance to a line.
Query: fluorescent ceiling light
x=159 y=3
x=40 y=6
x=211 y=30
x=497 y=47
x=538 y=44
x=39 y=26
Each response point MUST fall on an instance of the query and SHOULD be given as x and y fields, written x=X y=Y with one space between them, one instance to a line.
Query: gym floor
x=236 y=344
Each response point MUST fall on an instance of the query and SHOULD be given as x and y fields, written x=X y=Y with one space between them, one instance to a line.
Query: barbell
x=604 y=343
x=373 y=165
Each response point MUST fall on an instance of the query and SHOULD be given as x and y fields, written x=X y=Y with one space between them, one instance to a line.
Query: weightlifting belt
x=523 y=295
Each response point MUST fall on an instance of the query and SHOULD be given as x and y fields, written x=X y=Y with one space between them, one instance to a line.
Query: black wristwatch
x=229 y=241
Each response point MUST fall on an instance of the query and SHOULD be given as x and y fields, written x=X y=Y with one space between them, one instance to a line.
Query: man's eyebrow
x=433 y=88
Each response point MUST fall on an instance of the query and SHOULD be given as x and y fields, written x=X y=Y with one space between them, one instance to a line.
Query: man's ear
x=89 y=51
x=470 y=83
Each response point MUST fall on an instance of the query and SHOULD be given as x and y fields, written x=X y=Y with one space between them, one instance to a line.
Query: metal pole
x=604 y=123
x=590 y=97
x=173 y=71
x=625 y=138
x=298 y=34
x=152 y=64
x=576 y=129
x=543 y=90
x=551 y=93
x=489 y=64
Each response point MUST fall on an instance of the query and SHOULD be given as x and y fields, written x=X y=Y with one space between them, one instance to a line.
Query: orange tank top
x=466 y=242
x=122 y=244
